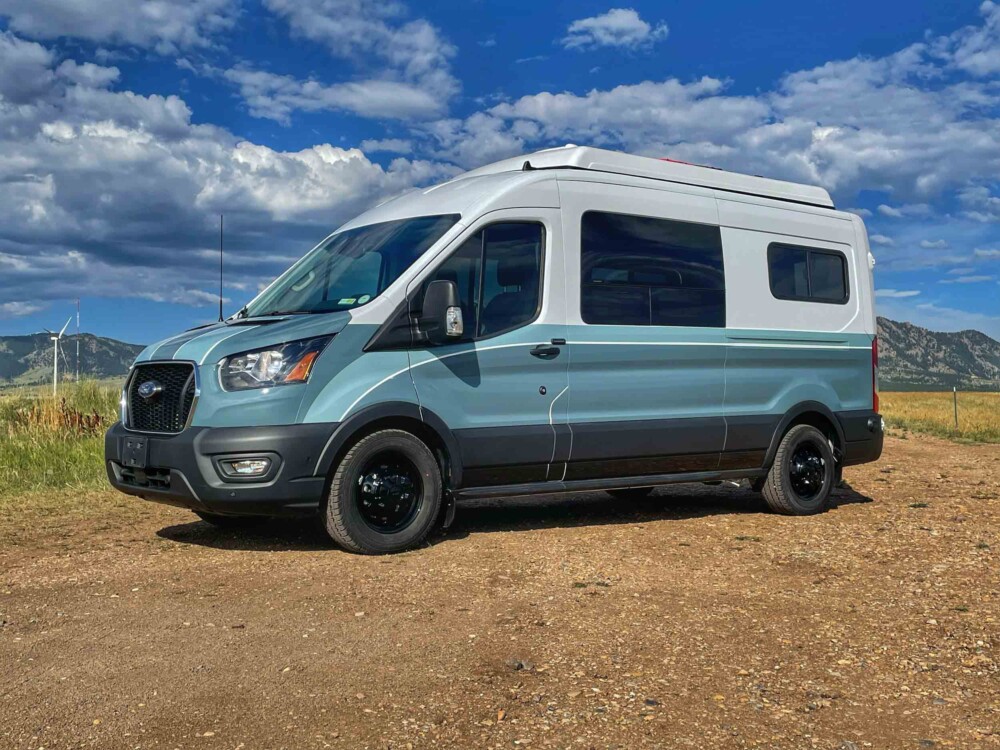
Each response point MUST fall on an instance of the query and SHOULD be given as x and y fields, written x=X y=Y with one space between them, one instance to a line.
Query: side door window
x=498 y=273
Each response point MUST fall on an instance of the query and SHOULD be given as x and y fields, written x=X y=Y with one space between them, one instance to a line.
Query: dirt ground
x=695 y=619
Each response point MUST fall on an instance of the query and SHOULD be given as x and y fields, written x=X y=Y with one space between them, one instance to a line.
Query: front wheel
x=385 y=495
x=802 y=476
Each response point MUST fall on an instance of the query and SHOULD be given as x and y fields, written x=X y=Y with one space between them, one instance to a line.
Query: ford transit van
x=574 y=319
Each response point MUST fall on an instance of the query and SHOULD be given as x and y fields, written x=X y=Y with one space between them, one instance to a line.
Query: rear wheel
x=631 y=493
x=385 y=495
x=802 y=476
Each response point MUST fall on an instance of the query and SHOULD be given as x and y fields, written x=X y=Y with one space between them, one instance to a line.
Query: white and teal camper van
x=571 y=320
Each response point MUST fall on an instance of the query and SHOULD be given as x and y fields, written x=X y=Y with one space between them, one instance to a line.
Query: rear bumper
x=863 y=436
x=184 y=469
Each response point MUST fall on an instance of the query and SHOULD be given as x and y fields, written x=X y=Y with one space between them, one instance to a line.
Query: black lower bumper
x=186 y=469
x=863 y=436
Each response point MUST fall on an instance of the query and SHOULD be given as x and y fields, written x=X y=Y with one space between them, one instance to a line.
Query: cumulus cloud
x=896 y=293
x=933 y=244
x=986 y=253
x=913 y=124
x=18 y=309
x=619 y=27
x=106 y=192
x=881 y=239
x=277 y=97
x=413 y=79
x=165 y=25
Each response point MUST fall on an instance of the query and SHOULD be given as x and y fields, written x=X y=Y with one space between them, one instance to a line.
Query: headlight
x=278 y=365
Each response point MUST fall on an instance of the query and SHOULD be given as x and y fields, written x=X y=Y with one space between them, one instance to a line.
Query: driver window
x=498 y=275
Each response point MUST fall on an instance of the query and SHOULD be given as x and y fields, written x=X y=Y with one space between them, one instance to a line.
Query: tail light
x=875 y=374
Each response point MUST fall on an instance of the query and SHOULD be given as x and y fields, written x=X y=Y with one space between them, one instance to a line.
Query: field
x=695 y=619
x=978 y=414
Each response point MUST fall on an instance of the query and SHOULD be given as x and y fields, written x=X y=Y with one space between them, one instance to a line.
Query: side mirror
x=441 y=313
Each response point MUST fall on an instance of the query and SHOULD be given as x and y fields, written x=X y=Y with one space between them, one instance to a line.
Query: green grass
x=45 y=443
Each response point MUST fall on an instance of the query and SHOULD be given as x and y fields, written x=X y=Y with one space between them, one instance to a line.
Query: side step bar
x=593 y=485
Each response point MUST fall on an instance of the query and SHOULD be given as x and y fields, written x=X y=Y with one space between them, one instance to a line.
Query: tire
x=228 y=522
x=385 y=495
x=802 y=476
x=631 y=493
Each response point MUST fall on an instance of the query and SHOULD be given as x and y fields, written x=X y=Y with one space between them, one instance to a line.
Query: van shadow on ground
x=676 y=502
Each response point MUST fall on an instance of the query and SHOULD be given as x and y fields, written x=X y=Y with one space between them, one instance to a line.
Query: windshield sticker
x=364 y=298
x=347 y=301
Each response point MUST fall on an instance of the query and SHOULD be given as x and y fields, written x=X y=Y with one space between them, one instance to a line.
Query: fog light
x=249 y=467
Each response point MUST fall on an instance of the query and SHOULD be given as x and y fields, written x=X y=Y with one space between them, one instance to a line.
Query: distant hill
x=912 y=358
x=27 y=360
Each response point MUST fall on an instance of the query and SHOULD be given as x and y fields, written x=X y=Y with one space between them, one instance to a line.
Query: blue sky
x=127 y=126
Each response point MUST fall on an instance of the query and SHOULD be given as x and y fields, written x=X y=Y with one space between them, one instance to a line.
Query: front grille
x=168 y=410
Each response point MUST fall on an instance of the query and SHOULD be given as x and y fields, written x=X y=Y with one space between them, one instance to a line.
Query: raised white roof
x=601 y=160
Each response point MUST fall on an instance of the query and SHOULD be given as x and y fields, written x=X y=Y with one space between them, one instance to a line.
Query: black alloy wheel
x=389 y=492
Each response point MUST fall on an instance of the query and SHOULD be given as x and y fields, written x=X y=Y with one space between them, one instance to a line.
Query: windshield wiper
x=276 y=313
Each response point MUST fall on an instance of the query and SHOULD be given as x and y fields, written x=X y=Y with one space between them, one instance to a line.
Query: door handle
x=544 y=351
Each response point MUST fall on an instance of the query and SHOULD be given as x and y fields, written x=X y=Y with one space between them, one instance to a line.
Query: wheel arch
x=812 y=413
x=401 y=415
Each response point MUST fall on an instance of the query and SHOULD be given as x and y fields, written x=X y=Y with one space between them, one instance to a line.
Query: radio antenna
x=220 y=266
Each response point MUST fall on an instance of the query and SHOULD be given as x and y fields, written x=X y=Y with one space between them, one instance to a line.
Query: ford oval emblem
x=150 y=388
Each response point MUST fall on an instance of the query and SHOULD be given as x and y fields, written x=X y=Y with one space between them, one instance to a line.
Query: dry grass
x=978 y=414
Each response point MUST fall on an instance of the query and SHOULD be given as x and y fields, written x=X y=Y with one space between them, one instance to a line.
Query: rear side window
x=807 y=274
x=642 y=271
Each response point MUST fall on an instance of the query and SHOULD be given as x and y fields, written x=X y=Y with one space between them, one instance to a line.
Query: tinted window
x=801 y=273
x=507 y=294
x=642 y=271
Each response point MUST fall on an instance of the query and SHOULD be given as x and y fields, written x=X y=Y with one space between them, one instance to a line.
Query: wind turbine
x=55 y=356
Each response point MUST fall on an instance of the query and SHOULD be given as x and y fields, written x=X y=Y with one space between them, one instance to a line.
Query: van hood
x=209 y=344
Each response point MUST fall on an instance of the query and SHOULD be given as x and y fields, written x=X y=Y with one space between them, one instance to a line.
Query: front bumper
x=184 y=470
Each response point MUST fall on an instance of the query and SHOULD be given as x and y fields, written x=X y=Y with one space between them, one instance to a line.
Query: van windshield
x=351 y=268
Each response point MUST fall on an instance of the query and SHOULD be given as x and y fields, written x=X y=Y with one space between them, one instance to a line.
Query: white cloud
x=892 y=213
x=110 y=193
x=881 y=239
x=409 y=50
x=986 y=253
x=960 y=271
x=896 y=293
x=968 y=279
x=166 y=25
x=277 y=97
x=619 y=27
x=975 y=49
x=18 y=309
x=933 y=244
x=389 y=145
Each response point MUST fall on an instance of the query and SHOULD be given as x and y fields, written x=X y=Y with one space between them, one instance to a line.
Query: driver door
x=501 y=386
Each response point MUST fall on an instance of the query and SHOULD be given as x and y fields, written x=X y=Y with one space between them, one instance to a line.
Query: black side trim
x=601 y=441
x=591 y=485
x=496 y=455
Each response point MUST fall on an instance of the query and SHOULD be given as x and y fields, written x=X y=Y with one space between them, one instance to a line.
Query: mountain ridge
x=910 y=358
